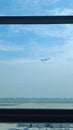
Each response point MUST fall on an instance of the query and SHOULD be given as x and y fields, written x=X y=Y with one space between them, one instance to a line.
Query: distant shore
x=49 y=103
x=39 y=105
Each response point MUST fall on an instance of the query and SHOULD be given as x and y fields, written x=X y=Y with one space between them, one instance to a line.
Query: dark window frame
x=36 y=19
x=36 y=115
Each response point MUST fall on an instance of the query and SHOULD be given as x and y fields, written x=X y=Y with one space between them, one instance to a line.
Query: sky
x=22 y=73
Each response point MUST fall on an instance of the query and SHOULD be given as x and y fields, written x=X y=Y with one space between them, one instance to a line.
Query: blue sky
x=22 y=73
x=33 y=7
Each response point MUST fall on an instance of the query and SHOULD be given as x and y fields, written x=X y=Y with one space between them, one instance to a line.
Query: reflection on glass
x=36 y=126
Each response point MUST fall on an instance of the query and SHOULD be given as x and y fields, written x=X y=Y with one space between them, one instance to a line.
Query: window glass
x=36 y=7
x=36 y=126
x=36 y=66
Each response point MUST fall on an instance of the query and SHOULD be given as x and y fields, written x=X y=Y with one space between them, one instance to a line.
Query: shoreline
x=40 y=105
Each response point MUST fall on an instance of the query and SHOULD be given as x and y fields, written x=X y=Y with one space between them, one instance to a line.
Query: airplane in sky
x=45 y=59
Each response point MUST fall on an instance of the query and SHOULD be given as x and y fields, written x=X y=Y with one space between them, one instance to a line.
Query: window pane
x=36 y=7
x=36 y=65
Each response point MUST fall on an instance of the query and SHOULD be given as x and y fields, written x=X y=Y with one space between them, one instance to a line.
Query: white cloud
x=60 y=11
x=37 y=7
x=6 y=46
x=63 y=52
x=64 y=32
x=36 y=51
x=58 y=31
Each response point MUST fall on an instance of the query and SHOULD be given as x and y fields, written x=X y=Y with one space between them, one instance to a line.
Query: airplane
x=45 y=59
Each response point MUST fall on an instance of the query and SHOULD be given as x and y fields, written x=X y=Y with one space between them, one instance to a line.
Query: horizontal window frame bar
x=36 y=115
x=36 y=19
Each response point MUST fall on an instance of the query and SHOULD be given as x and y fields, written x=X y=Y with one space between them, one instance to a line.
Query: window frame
x=36 y=115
